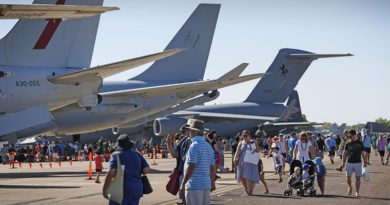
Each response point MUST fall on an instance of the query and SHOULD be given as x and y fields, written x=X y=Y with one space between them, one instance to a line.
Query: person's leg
x=249 y=185
x=357 y=185
x=349 y=171
x=368 y=152
x=182 y=194
x=206 y=197
x=194 y=197
x=243 y=181
x=262 y=179
x=388 y=156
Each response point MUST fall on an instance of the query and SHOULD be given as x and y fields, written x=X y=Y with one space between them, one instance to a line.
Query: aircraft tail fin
x=283 y=75
x=297 y=116
x=53 y=42
x=195 y=36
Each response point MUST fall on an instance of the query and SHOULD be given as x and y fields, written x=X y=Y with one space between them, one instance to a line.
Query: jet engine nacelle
x=164 y=126
x=115 y=130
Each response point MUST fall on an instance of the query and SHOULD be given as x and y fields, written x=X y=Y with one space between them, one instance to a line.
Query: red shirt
x=99 y=162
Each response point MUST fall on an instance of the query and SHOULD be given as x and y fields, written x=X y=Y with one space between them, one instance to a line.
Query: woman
x=134 y=164
x=302 y=148
x=381 y=145
x=247 y=173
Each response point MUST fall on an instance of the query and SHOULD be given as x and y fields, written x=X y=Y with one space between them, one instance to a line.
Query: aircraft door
x=3 y=92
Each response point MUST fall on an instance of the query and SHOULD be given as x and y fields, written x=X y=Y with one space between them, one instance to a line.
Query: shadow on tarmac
x=33 y=201
x=43 y=174
x=37 y=187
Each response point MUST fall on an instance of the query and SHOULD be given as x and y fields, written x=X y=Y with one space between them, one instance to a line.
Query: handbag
x=173 y=185
x=250 y=157
x=147 y=188
x=116 y=188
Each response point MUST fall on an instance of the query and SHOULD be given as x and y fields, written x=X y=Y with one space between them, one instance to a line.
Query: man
x=199 y=168
x=291 y=143
x=321 y=145
x=180 y=153
x=354 y=152
x=330 y=143
x=234 y=149
x=367 y=144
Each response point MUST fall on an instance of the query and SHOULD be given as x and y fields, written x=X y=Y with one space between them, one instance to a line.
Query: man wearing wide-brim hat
x=199 y=168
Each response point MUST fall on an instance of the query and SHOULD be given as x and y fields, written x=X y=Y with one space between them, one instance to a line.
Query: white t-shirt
x=277 y=159
x=303 y=150
x=305 y=175
x=282 y=146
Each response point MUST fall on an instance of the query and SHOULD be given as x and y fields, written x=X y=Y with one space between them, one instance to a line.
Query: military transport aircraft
x=167 y=86
x=265 y=102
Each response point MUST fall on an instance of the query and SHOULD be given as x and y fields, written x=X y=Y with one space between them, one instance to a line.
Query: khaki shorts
x=354 y=167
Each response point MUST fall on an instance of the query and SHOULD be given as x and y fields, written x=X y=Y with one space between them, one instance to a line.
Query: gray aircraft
x=167 y=86
x=43 y=64
x=294 y=123
x=265 y=102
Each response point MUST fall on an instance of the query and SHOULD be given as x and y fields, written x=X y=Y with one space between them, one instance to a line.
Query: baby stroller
x=302 y=186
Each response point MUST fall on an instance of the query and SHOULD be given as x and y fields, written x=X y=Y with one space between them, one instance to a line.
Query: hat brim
x=191 y=128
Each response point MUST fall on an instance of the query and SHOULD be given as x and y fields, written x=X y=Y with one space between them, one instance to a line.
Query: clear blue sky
x=353 y=89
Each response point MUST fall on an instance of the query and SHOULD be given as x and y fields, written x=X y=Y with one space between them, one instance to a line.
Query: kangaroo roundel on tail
x=283 y=75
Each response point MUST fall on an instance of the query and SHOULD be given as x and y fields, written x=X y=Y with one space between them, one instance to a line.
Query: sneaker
x=357 y=194
x=280 y=180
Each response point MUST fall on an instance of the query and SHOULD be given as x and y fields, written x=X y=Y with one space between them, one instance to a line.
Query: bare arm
x=107 y=182
x=345 y=156
x=364 y=156
x=237 y=154
x=146 y=170
x=295 y=151
x=170 y=147
x=187 y=175
x=213 y=170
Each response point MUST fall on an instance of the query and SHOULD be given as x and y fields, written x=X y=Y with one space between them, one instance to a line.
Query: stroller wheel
x=302 y=192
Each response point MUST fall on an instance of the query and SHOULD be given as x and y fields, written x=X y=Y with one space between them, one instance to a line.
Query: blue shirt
x=367 y=141
x=133 y=163
x=291 y=143
x=330 y=142
x=201 y=155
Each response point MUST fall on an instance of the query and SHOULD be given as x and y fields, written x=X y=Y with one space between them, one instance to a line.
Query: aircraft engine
x=164 y=126
x=115 y=130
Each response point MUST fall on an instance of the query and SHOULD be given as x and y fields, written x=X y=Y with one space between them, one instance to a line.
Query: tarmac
x=68 y=184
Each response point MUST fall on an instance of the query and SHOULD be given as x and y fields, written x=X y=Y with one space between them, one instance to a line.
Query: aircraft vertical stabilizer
x=52 y=42
x=283 y=75
x=195 y=36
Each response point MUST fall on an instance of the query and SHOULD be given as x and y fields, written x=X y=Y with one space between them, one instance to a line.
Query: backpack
x=321 y=171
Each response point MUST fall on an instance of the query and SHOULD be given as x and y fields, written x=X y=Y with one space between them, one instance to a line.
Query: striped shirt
x=201 y=155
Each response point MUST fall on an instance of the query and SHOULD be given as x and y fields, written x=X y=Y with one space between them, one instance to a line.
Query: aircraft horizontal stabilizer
x=47 y=11
x=104 y=71
x=316 y=56
x=183 y=87
x=292 y=124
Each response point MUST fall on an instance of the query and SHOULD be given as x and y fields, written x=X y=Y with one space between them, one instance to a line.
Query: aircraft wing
x=197 y=86
x=104 y=71
x=226 y=115
x=48 y=11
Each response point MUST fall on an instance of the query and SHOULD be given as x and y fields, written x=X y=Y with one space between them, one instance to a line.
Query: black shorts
x=284 y=155
x=381 y=153
x=332 y=151
x=367 y=150
x=98 y=170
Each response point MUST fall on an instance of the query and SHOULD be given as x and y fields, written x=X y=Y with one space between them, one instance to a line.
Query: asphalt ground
x=69 y=185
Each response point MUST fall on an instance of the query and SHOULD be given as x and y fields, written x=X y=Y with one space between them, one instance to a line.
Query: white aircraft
x=43 y=67
x=166 y=86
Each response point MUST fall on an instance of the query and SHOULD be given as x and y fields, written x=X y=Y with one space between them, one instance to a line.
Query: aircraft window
x=2 y=74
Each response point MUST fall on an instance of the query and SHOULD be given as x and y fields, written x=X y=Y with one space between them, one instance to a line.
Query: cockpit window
x=2 y=74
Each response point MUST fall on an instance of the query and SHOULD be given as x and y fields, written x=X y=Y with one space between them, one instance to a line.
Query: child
x=278 y=161
x=98 y=165
x=261 y=173
x=305 y=173
x=321 y=172
x=295 y=179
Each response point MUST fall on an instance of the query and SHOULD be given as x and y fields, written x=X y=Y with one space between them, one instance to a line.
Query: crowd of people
x=54 y=151
x=200 y=156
